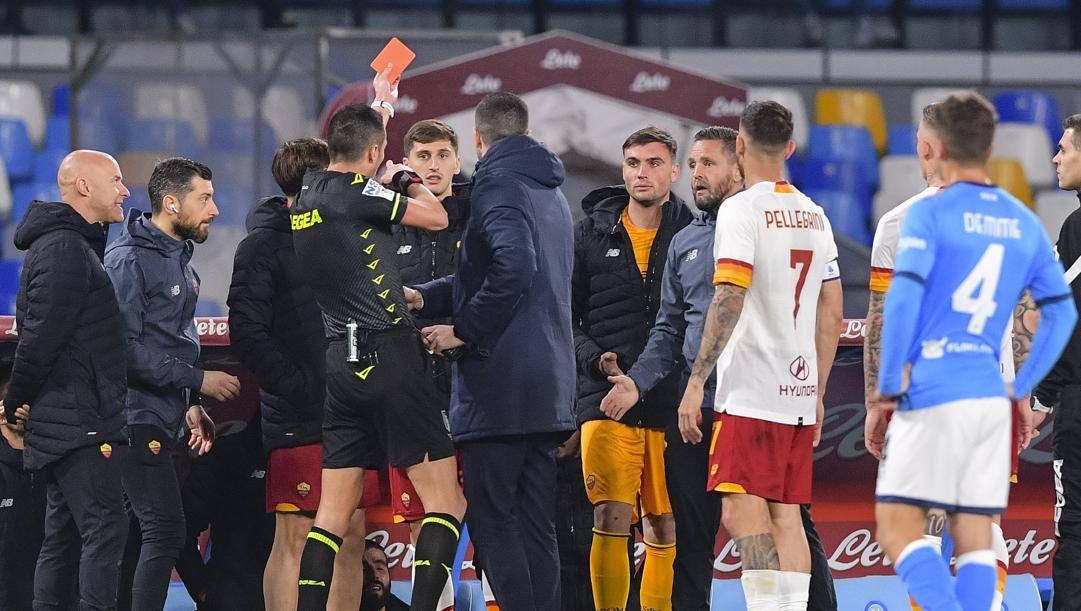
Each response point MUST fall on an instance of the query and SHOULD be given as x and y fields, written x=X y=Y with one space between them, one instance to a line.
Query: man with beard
x=616 y=286
x=673 y=341
x=377 y=595
x=157 y=289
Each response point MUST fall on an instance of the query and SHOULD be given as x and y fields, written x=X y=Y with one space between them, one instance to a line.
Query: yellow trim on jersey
x=730 y=488
x=286 y=508
x=880 y=279
x=394 y=210
x=735 y=272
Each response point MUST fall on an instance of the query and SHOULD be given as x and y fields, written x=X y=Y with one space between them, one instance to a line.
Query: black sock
x=436 y=546
x=317 y=569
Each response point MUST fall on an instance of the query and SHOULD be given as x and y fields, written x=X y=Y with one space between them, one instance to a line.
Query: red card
x=395 y=53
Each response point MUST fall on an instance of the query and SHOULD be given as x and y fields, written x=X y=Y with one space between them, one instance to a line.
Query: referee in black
x=1061 y=389
x=381 y=405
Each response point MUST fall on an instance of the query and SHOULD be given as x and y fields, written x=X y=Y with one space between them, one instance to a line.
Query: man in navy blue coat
x=513 y=388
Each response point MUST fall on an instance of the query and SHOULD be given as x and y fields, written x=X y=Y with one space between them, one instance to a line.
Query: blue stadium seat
x=162 y=135
x=871 y=5
x=139 y=200
x=100 y=136
x=502 y=3
x=849 y=214
x=233 y=169
x=902 y=139
x=849 y=142
x=9 y=285
x=233 y=203
x=58 y=132
x=25 y=193
x=101 y=102
x=945 y=5
x=1034 y=5
x=1031 y=106
x=678 y=3
x=239 y=135
x=46 y=163
x=836 y=175
x=61 y=99
x=16 y=149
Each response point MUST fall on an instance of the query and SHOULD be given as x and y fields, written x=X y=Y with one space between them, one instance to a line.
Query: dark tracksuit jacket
x=276 y=329
x=614 y=307
x=1061 y=389
x=686 y=293
x=157 y=289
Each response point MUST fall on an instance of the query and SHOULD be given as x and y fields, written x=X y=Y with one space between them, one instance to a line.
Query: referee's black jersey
x=1067 y=371
x=342 y=236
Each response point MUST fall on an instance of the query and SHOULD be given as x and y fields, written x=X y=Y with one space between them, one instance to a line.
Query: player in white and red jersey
x=883 y=252
x=772 y=333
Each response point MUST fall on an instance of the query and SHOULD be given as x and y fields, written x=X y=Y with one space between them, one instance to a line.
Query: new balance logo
x=5 y=503
x=612 y=252
x=691 y=256
x=175 y=290
x=404 y=249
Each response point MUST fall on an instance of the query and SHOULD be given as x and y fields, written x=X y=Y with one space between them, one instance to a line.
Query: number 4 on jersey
x=976 y=293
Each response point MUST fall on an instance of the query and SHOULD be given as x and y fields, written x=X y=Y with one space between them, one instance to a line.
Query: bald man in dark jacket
x=69 y=372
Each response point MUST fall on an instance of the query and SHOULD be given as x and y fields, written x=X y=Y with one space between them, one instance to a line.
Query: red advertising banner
x=555 y=59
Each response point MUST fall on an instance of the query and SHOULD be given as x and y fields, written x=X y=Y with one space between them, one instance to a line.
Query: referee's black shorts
x=384 y=408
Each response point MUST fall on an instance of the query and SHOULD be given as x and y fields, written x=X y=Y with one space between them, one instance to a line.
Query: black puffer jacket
x=70 y=362
x=614 y=308
x=276 y=328
x=424 y=256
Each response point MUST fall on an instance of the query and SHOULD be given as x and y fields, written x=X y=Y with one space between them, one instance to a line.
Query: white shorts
x=954 y=456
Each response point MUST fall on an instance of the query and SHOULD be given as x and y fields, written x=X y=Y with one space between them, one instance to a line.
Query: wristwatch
x=384 y=105
x=1040 y=407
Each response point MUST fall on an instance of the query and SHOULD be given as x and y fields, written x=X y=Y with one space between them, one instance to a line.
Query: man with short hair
x=773 y=324
x=150 y=266
x=514 y=380
x=276 y=330
x=381 y=405
x=1015 y=343
x=616 y=288
x=69 y=375
x=673 y=346
x=431 y=148
x=1061 y=389
x=377 y=594
x=964 y=257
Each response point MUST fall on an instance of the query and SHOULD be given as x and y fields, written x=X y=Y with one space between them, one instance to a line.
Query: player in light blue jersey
x=964 y=258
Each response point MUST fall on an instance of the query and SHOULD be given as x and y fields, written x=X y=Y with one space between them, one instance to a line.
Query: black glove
x=402 y=179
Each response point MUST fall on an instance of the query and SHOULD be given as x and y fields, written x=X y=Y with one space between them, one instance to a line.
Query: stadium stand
x=1009 y=174
x=853 y=107
x=793 y=101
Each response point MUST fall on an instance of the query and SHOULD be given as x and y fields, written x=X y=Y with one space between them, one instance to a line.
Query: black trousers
x=510 y=484
x=1066 y=448
x=157 y=519
x=22 y=528
x=85 y=528
x=697 y=514
x=225 y=491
